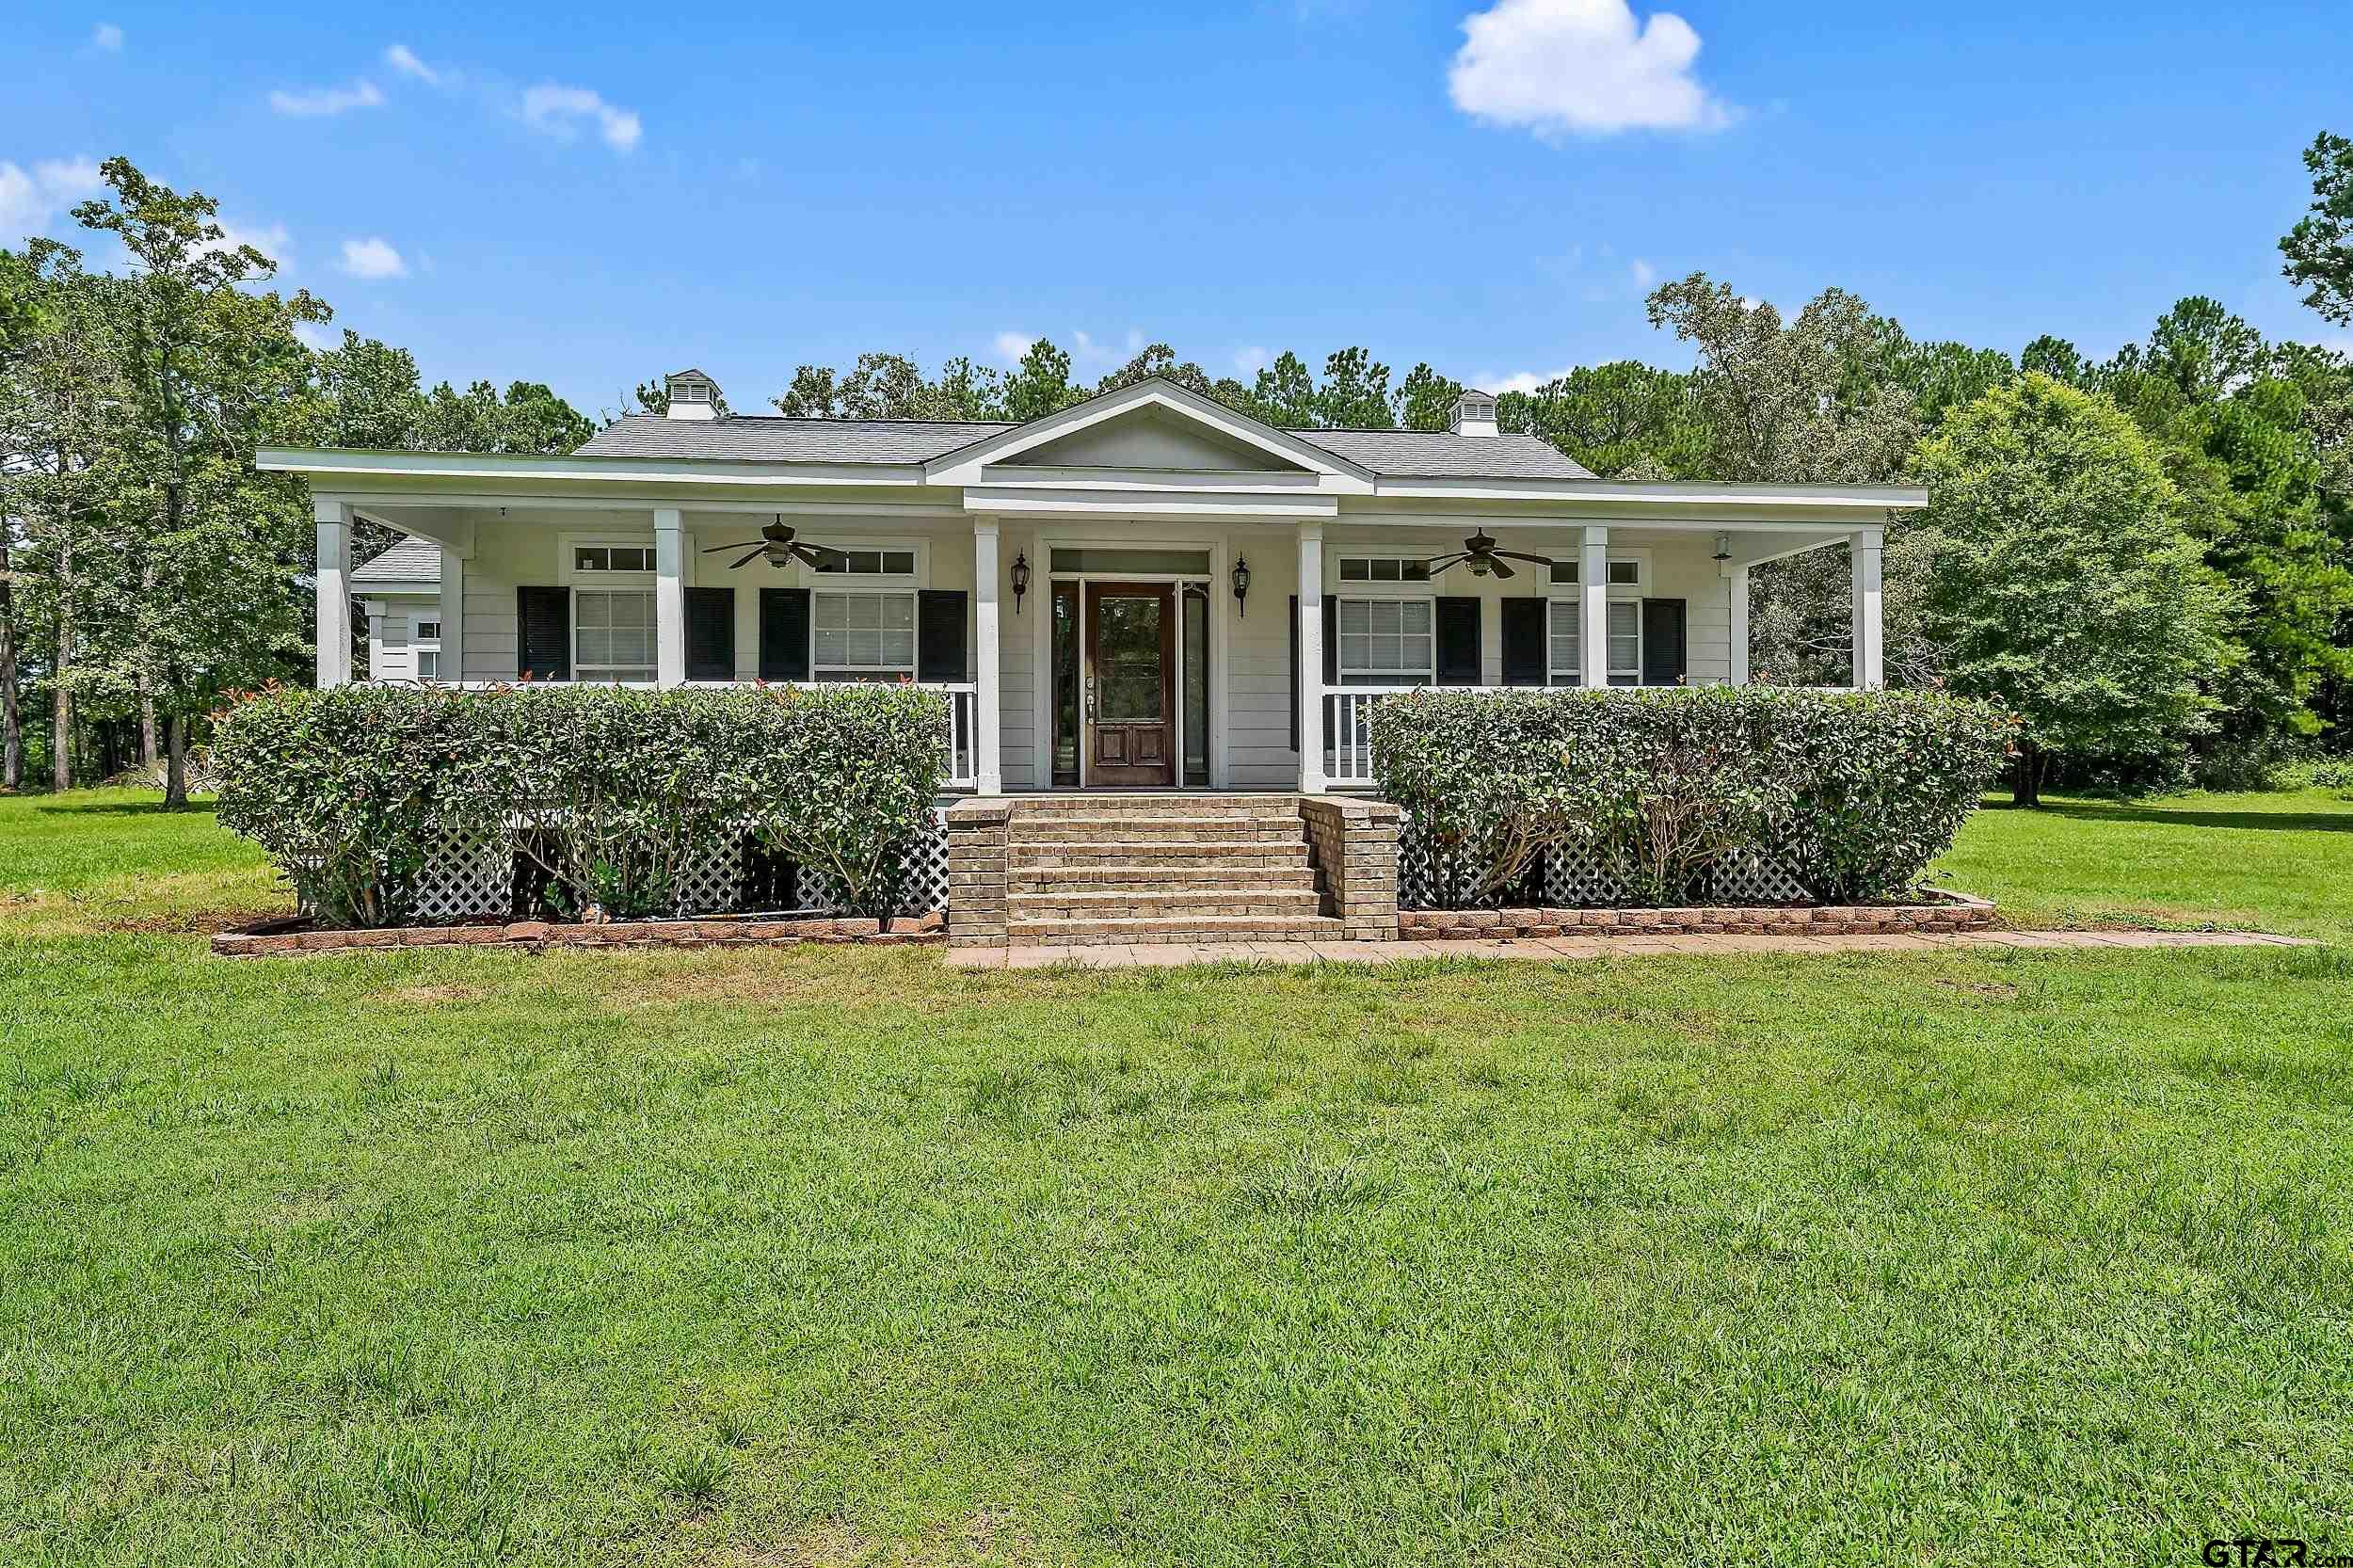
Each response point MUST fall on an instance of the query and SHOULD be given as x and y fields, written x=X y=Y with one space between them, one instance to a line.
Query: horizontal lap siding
x=1258 y=686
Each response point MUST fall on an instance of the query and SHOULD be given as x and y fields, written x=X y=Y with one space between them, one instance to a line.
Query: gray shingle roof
x=1427 y=455
x=766 y=439
x=410 y=564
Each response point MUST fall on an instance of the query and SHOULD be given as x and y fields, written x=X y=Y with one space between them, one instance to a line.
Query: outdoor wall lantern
x=1241 y=587
x=1020 y=579
x=1723 y=547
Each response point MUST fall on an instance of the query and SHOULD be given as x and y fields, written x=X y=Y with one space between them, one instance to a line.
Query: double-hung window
x=862 y=614
x=1385 y=642
x=1566 y=657
x=613 y=615
x=424 y=640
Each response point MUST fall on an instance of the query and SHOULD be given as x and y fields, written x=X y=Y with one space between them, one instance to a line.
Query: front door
x=1131 y=683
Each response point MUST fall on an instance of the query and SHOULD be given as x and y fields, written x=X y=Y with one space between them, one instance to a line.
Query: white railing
x=1348 y=734
x=962 y=712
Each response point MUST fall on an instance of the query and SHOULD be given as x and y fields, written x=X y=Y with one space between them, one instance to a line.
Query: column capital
x=1596 y=536
x=985 y=523
x=330 y=509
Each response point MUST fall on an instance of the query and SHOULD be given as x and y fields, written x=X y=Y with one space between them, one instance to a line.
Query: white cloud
x=1520 y=382
x=1557 y=67
x=107 y=35
x=31 y=200
x=404 y=62
x=1644 y=274
x=372 y=258
x=273 y=241
x=1012 y=347
x=1251 y=360
x=317 y=336
x=558 y=111
x=328 y=101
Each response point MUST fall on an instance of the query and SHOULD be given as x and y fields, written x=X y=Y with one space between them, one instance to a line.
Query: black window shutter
x=1526 y=639
x=1457 y=622
x=543 y=634
x=1663 y=654
x=784 y=633
x=1292 y=668
x=710 y=633
x=940 y=634
x=1331 y=641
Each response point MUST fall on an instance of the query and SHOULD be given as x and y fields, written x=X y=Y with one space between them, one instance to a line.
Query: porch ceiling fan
x=775 y=543
x=1480 y=553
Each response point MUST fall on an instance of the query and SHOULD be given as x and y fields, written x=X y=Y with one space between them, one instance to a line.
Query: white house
x=1143 y=589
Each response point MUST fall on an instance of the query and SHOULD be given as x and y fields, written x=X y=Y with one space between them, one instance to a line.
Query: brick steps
x=1189 y=928
x=1219 y=828
x=1062 y=904
x=1036 y=807
x=1088 y=877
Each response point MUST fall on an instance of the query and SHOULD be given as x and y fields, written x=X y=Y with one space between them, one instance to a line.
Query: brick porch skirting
x=282 y=936
x=1938 y=914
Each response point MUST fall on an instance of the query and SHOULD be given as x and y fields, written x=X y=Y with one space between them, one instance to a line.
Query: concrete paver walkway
x=1115 y=955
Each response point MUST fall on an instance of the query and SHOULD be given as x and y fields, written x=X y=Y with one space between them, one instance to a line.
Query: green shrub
x=2334 y=775
x=1852 y=794
x=606 y=791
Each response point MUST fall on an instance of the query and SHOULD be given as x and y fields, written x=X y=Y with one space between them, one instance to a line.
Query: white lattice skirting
x=1578 y=882
x=470 y=876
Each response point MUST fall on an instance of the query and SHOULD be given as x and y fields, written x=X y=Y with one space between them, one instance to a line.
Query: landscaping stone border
x=298 y=935
x=1944 y=914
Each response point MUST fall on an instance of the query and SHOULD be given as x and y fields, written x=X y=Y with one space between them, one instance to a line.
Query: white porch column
x=1739 y=586
x=670 y=595
x=1865 y=548
x=988 y=762
x=1593 y=614
x=375 y=608
x=335 y=588
x=453 y=615
x=1310 y=671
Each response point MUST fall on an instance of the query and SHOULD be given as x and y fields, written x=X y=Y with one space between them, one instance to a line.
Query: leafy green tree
x=1040 y=384
x=1354 y=394
x=1284 y=394
x=1160 y=360
x=2319 y=249
x=367 y=397
x=2064 y=584
x=1615 y=417
x=1425 y=399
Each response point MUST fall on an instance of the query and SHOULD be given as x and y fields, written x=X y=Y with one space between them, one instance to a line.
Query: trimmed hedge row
x=606 y=791
x=1852 y=792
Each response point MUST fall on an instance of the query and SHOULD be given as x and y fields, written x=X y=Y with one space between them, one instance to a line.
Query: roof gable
x=1180 y=419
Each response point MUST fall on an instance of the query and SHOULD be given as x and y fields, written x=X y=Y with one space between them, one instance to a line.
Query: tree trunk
x=2027 y=776
x=11 y=716
x=61 y=720
x=175 y=761
x=147 y=725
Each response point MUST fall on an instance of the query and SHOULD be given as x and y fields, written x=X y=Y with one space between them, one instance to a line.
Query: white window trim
x=1425 y=588
x=1427 y=677
x=597 y=585
x=420 y=645
x=920 y=578
x=1553 y=673
x=867 y=584
x=1638 y=588
x=568 y=576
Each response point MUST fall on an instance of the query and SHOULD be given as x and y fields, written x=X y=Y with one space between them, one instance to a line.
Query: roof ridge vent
x=1474 y=414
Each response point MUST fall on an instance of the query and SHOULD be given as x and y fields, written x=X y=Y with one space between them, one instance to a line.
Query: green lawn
x=836 y=1255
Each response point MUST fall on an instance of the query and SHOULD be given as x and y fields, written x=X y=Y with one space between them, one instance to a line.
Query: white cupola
x=692 y=395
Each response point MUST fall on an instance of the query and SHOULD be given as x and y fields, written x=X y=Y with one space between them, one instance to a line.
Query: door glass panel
x=1196 y=686
x=1149 y=562
x=1128 y=657
x=1065 y=683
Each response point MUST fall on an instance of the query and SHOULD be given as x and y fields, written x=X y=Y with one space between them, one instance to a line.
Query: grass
x=838 y=1257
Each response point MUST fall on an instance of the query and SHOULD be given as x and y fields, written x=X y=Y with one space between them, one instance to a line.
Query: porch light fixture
x=1241 y=587
x=1723 y=547
x=1020 y=579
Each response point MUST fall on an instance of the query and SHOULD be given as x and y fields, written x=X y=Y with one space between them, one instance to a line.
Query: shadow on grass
x=2278 y=821
x=123 y=807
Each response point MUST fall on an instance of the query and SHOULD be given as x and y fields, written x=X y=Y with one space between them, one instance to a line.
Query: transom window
x=868 y=563
x=1383 y=569
x=612 y=635
x=1622 y=574
x=613 y=557
x=1384 y=642
x=1566 y=658
x=424 y=639
x=863 y=636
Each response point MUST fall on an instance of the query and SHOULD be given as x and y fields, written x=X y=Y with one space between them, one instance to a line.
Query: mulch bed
x=1938 y=914
x=300 y=934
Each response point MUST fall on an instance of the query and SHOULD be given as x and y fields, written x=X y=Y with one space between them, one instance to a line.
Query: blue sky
x=587 y=195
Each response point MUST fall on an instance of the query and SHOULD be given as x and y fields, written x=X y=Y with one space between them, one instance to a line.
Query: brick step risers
x=1186 y=928
x=1107 y=878
x=1227 y=827
x=1121 y=906
x=1285 y=807
x=1170 y=853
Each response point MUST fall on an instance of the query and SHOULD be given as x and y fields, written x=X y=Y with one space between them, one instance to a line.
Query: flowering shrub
x=1852 y=794
x=606 y=791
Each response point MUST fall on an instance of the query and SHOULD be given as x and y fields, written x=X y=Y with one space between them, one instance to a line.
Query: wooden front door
x=1132 y=683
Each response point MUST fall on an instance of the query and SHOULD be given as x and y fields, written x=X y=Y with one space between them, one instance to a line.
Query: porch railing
x=963 y=712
